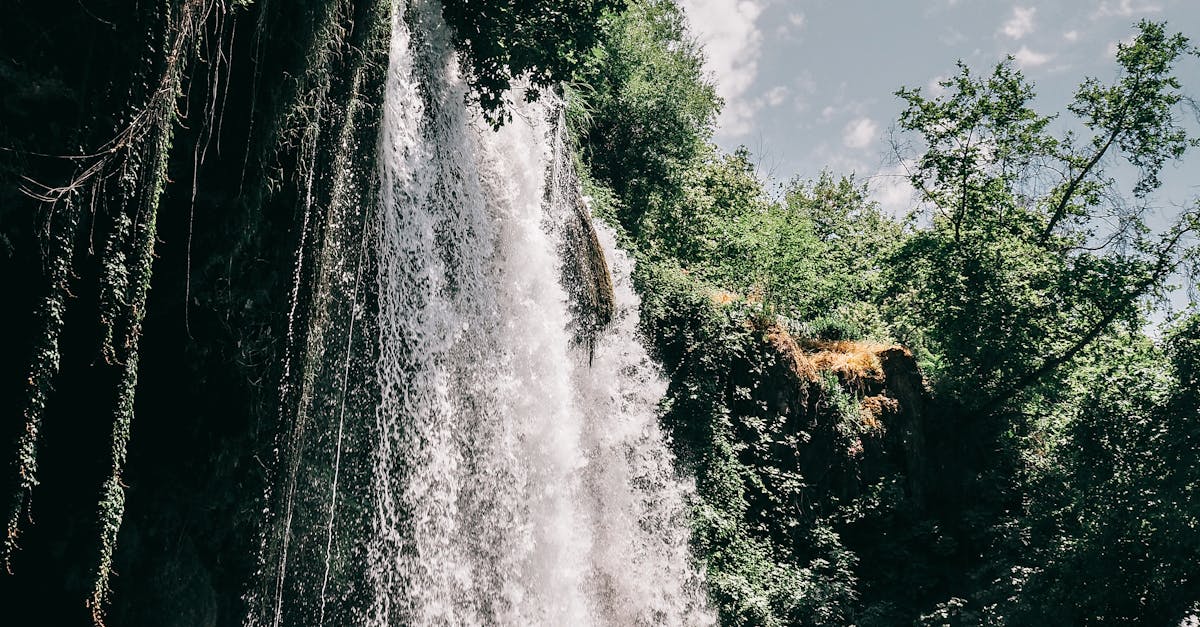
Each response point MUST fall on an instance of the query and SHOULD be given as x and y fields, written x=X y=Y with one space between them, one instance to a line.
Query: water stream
x=511 y=474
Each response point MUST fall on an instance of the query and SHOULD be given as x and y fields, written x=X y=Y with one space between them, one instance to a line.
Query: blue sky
x=809 y=84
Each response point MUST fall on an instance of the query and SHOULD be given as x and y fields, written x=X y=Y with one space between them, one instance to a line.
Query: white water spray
x=517 y=476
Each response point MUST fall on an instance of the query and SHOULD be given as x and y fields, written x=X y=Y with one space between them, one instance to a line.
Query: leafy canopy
x=1033 y=252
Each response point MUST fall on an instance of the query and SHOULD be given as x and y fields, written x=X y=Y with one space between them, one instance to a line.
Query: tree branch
x=1060 y=209
x=1164 y=267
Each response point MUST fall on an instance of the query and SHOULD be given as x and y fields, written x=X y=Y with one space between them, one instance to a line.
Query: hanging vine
x=61 y=228
x=123 y=181
x=148 y=174
x=137 y=286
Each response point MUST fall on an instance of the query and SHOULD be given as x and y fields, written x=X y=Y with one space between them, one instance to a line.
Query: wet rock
x=585 y=271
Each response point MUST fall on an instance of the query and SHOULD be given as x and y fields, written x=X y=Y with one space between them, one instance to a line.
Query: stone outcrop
x=585 y=271
x=889 y=389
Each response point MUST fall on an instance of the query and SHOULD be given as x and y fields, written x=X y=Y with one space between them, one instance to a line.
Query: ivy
x=61 y=232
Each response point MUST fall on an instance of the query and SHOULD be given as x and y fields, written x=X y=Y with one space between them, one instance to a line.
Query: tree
x=1034 y=252
x=648 y=110
x=1112 y=502
x=857 y=239
x=545 y=41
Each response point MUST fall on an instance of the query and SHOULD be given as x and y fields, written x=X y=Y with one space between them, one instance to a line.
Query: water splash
x=514 y=475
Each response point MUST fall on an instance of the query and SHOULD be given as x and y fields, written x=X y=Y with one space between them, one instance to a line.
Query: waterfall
x=514 y=475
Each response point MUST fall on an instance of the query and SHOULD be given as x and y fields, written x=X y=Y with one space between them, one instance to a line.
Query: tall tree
x=1035 y=250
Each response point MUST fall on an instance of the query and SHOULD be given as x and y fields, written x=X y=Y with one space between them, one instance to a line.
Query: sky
x=809 y=84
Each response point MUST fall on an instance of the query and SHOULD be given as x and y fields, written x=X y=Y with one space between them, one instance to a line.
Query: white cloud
x=776 y=96
x=1071 y=35
x=951 y=36
x=1115 y=46
x=1020 y=24
x=1124 y=8
x=935 y=7
x=837 y=159
x=860 y=133
x=934 y=86
x=805 y=82
x=891 y=188
x=732 y=44
x=791 y=27
x=1027 y=58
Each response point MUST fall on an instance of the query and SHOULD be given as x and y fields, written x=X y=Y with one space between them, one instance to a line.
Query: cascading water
x=517 y=475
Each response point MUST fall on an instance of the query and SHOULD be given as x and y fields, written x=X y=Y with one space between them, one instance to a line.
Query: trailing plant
x=124 y=179
x=61 y=231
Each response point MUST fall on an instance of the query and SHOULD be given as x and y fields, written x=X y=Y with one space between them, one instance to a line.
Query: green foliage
x=716 y=225
x=1113 y=511
x=1015 y=277
x=649 y=110
x=771 y=558
x=544 y=41
x=62 y=231
x=124 y=178
x=842 y=405
x=1182 y=344
x=124 y=294
x=149 y=190
x=1137 y=114
x=1009 y=283
x=857 y=239
x=817 y=255
x=772 y=258
x=643 y=113
x=833 y=329
x=831 y=270
x=704 y=227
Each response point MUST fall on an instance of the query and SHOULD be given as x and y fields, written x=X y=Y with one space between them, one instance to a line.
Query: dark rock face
x=585 y=272
x=840 y=451
x=824 y=456
x=903 y=382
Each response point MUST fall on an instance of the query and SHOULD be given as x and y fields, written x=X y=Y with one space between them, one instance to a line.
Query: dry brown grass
x=785 y=345
x=872 y=408
x=856 y=364
x=725 y=297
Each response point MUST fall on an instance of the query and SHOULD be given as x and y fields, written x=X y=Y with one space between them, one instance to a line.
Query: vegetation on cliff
x=169 y=172
x=952 y=417
x=1031 y=471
